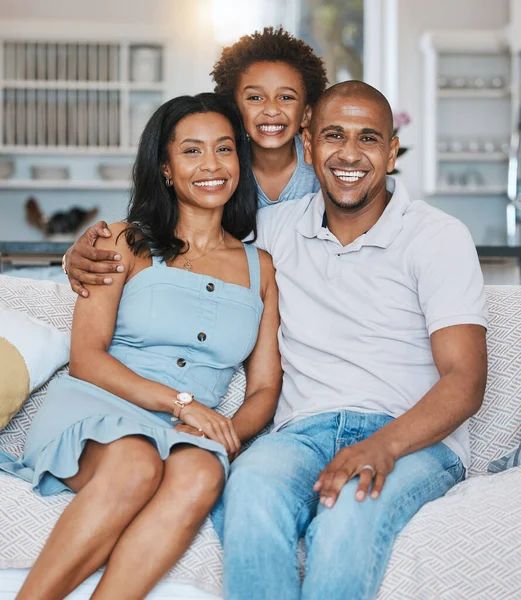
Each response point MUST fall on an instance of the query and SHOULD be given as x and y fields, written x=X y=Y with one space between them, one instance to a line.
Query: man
x=382 y=340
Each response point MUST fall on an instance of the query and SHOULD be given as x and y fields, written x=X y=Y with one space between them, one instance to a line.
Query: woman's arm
x=92 y=330
x=263 y=367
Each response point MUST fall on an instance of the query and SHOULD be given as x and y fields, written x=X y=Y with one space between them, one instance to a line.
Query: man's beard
x=355 y=206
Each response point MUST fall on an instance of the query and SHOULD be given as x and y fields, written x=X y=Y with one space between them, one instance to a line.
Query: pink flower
x=401 y=119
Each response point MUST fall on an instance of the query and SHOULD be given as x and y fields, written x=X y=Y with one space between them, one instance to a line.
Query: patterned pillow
x=497 y=425
x=48 y=301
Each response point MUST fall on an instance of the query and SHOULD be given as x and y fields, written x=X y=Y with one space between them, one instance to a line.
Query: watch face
x=184 y=397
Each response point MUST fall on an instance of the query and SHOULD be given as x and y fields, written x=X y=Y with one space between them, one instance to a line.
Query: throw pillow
x=30 y=352
x=512 y=459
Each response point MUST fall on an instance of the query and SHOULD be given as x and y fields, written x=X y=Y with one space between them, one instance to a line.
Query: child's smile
x=271 y=129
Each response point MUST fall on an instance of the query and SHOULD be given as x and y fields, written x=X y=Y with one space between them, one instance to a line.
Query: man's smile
x=349 y=175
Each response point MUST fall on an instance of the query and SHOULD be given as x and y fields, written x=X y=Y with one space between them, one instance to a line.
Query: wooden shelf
x=473 y=93
x=132 y=86
x=63 y=184
x=472 y=157
x=22 y=84
x=74 y=150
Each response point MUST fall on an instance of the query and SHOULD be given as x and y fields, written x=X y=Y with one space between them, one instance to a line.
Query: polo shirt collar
x=313 y=222
x=310 y=223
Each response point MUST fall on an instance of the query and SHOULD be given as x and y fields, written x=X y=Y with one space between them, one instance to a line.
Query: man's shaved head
x=354 y=90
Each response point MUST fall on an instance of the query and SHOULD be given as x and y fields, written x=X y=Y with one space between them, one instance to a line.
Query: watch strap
x=178 y=407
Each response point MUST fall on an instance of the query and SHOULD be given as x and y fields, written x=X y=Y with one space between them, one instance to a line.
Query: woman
x=164 y=339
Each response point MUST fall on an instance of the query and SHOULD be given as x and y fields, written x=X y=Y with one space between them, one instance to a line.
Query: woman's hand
x=214 y=426
x=84 y=263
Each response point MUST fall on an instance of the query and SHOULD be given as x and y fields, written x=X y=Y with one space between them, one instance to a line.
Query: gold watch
x=64 y=268
x=182 y=400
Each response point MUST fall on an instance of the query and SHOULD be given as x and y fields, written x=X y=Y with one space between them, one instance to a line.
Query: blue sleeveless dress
x=185 y=330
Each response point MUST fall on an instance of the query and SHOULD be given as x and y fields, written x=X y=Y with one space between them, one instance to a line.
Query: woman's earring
x=168 y=182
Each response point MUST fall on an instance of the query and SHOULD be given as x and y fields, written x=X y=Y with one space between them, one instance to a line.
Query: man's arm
x=460 y=355
x=85 y=264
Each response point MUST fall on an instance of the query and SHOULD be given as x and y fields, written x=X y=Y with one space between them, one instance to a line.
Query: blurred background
x=78 y=81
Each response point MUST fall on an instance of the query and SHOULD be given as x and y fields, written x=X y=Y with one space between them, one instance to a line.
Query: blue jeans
x=269 y=503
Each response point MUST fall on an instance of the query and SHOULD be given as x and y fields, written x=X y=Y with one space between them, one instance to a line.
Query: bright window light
x=232 y=19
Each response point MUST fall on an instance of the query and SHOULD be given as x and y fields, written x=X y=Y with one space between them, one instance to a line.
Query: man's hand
x=352 y=461
x=84 y=262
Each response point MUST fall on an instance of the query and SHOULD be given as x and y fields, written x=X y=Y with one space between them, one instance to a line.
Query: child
x=275 y=79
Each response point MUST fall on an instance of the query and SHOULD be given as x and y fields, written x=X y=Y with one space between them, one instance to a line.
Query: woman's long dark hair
x=153 y=210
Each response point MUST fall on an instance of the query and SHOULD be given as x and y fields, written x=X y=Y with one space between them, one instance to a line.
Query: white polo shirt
x=356 y=319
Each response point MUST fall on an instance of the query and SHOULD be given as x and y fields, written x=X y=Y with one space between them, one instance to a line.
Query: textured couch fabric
x=465 y=545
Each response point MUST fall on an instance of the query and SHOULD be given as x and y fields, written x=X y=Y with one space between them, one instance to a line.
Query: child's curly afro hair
x=272 y=45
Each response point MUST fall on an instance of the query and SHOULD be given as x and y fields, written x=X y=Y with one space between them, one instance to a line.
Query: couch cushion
x=51 y=302
x=27 y=519
x=496 y=428
x=464 y=545
x=444 y=552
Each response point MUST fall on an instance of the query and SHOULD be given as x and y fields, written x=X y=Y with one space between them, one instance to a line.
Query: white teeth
x=211 y=183
x=349 y=176
x=271 y=127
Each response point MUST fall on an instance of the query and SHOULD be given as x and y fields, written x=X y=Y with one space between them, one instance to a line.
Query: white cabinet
x=468 y=112
x=469 y=100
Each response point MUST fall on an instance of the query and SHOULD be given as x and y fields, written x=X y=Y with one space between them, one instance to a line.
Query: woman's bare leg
x=114 y=482
x=157 y=538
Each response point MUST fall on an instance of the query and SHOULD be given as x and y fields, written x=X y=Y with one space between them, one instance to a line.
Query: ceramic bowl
x=115 y=172
x=6 y=169
x=49 y=172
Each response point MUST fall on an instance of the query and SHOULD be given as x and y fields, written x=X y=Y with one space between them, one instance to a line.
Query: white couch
x=466 y=545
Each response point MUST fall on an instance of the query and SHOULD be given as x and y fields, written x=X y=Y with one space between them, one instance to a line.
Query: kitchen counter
x=47 y=248
x=32 y=254
x=499 y=251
